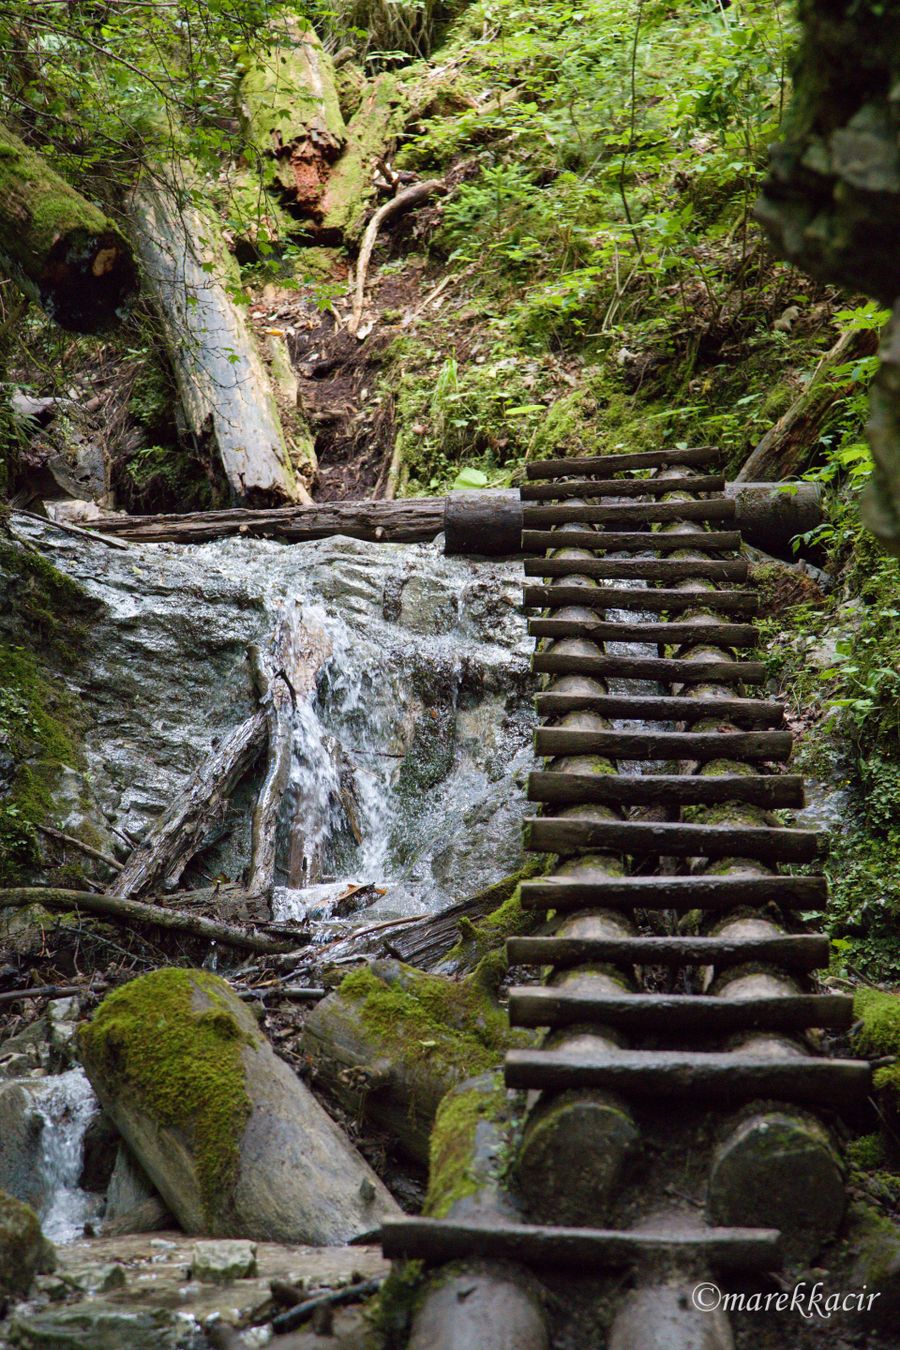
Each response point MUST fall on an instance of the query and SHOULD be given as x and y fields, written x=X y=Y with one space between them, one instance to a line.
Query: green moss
x=182 y=1064
x=24 y=1251
x=378 y=120
x=399 y=1298
x=49 y=607
x=509 y=919
x=452 y=1163
x=878 y=1035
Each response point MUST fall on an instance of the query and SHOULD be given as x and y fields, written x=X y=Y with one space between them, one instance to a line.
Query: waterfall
x=66 y=1105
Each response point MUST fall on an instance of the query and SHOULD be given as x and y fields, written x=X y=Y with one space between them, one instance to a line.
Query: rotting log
x=405 y=200
x=171 y=843
x=60 y=249
x=285 y=671
x=291 y=114
x=371 y=135
x=225 y=393
x=120 y=909
x=486 y=523
x=392 y=1040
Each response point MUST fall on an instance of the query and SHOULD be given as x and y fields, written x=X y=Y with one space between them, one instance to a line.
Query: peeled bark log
x=292 y=116
x=180 y=831
x=60 y=249
x=785 y=449
x=223 y=387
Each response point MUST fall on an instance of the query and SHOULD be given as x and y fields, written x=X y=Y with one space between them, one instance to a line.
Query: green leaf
x=470 y=478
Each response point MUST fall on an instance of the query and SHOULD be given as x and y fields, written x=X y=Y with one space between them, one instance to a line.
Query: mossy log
x=233 y=1141
x=224 y=391
x=391 y=1041
x=291 y=113
x=371 y=135
x=60 y=249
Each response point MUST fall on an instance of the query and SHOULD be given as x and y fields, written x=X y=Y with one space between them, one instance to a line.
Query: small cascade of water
x=66 y=1104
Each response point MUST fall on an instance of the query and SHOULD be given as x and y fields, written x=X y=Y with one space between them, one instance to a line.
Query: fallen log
x=371 y=134
x=224 y=391
x=57 y=246
x=291 y=114
x=234 y=1142
x=122 y=910
x=180 y=831
x=787 y=447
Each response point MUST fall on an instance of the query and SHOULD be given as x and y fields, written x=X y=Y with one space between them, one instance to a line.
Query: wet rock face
x=24 y=1251
x=417 y=739
x=831 y=203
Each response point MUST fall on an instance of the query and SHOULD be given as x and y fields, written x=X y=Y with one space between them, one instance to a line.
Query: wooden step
x=662 y=708
x=721 y=1078
x=642 y=569
x=580 y=1250
x=667 y=634
x=794 y=951
x=618 y=487
x=719 y=541
x=568 y=834
x=656 y=601
x=545 y=1006
x=627 y=513
x=665 y=745
x=681 y=893
x=610 y=464
x=667 y=670
x=667 y=789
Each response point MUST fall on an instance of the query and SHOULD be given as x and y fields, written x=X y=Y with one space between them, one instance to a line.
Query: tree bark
x=786 y=448
x=225 y=393
x=60 y=248
x=371 y=135
x=131 y=912
x=292 y=116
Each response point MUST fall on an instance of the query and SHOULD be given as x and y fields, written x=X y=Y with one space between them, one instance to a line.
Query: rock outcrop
x=233 y=1141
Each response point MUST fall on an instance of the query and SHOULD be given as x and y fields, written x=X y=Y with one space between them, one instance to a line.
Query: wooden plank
x=719 y=541
x=681 y=745
x=720 y=1078
x=665 y=669
x=619 y=487
x=681 y=893
x=672 y=789
x=655 y=601
x=608 y=464
x=545 y=1006
x=568 y=834
x=628 y=513
x=662 y=708
x=795 y=951
x=438 y=1241
x=642 y=569
x=670 y=634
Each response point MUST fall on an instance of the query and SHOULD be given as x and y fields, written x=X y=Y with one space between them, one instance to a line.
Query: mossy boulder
x=230 y=1137
x=24 y=1251
x=878 y=1036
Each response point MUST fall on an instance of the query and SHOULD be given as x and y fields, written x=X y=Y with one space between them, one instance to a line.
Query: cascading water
x=66 y=1105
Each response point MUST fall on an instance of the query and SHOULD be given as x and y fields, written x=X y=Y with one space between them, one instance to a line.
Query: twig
x=50 y=991
x=74 y=529
x=351 y=1293
x=72 y=842
x=409 y=197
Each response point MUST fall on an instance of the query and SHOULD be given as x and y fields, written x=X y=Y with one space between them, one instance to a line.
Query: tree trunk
x=292 y=116
x=786 y=448
x=58 y=247
x=225 y=392
x=371 y=135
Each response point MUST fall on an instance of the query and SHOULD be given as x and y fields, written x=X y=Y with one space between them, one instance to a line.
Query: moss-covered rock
x=233 y=1141
x=24 y=1251
x=878 y=1036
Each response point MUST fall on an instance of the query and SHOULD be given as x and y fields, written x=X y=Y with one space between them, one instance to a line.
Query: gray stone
x=129 y=1185
x=98 y=1326
x=21 y=1131
x=222 y=1261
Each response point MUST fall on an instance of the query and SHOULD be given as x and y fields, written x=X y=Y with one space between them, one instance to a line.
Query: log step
x=719 y=541
x=618 y=487
x=767 y=790
x=545 y=1006
x=654 y=601
x=580 y=1250
x=665 y=669
x=643 y=569
x=682 y=893
x=802 y=951
x=665 y=745
x=609 y=464
x=668 y=634
x=721 y=1078
x=628 y=513
x=662 y=708
x=568 y=834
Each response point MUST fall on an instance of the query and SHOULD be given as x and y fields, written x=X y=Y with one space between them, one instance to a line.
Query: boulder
x=24 y=1251
x=224 y=1261
x=21 y=1130
x=230 y=1137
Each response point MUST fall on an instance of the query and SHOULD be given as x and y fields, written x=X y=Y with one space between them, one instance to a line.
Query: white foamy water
x=66 y=1104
